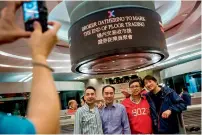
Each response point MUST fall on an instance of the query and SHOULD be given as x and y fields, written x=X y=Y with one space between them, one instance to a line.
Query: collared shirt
x=87 y=121
x=115 y=119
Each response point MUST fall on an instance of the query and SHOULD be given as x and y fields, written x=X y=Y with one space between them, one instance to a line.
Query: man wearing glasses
x=138 y=109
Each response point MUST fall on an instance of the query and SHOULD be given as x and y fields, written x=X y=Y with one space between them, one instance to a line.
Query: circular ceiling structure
x=119 y=63
x=98 y=34
x=166 y=9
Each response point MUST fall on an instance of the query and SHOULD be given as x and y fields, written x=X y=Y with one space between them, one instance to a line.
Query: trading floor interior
x=107 y=42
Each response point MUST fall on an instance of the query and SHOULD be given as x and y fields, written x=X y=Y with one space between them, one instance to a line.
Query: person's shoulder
x=167 y=90
x=119 y=105
x=80 y=109
x=126 y=101
x=19 y=125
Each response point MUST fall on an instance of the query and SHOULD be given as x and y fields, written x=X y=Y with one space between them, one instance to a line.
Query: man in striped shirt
x=87 y=118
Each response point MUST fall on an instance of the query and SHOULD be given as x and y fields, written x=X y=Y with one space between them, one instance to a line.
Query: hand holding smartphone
x=35 y=10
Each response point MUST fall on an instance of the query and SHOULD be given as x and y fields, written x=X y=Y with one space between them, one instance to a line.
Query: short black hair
x=83 y=98
x=149 y=77
x=185 y=89
x=139 y=80
x=106 y=87
x=90 y=87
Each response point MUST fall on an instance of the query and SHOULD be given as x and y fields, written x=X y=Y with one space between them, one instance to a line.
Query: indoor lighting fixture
x=12 y=66
x=26 y=77
x=24 y=67
x=190 y=55
x=187 y=39
x=27 y=58
x=188 y=46
x=169 y=61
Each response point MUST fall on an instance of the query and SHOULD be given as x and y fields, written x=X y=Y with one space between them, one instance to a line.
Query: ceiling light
x=188 y=47
x=187 y=39
x=27 y=58
x=24 y=67
x=11 y=66
x=113 y=61
x=26 y=77
x=125 y=55
x=169 y=61
x=191 y=55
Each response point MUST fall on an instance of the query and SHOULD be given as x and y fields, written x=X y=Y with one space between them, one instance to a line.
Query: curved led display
x=116 y=40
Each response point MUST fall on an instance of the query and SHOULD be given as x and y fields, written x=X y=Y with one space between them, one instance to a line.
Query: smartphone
x=35 y=10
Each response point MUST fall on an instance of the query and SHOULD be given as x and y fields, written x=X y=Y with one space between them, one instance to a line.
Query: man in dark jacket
x=165 y=105
x=186 y=96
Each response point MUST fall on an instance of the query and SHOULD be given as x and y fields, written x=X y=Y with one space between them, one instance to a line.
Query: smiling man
x=87 y=118
x=167 y=106
x=113 y=115
x=138 y=109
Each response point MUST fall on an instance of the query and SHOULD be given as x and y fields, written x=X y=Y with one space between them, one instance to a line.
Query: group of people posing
x=155 y=112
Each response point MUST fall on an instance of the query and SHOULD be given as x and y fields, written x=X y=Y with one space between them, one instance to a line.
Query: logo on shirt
x=111 y=14
x=140 y=111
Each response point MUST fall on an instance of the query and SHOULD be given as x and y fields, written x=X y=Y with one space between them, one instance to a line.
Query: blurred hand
x=125 y=92
x=100 y=105
x=9 y=31
x=42 y=43
x=166 y=114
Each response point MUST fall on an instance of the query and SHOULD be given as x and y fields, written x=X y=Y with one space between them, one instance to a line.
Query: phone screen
x=30 y=10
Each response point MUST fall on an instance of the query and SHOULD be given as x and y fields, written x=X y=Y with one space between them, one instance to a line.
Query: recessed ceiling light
x=113 y=61
x=125 y=55
x=184 y=40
